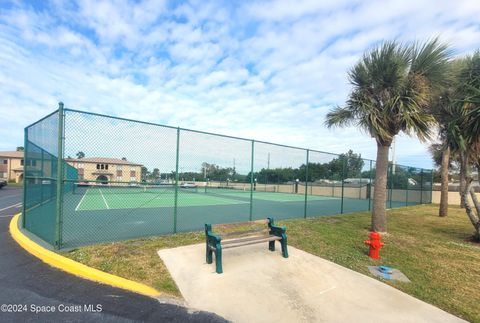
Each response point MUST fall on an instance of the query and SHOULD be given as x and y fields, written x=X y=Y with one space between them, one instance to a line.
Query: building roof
x=11 y=154
x=104 y=160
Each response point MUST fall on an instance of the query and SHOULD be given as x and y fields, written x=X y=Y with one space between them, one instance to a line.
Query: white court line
x=11 y=206
x=6 y=216
x=76 y=209
x=104 y=200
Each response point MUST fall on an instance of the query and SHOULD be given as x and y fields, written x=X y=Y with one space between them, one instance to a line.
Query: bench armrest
x=276 y=230
x=211 y=237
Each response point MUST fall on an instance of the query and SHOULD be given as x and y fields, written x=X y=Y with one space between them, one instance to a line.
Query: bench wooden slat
x=248 y=238
x=249 y=242
x=242 y=233
x=223 y=226
x=255 y=239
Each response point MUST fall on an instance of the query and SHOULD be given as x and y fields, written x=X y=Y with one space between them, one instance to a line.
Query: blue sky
x=268 y=70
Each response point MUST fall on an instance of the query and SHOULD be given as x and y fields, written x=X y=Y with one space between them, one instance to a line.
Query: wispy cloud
x=268 y=70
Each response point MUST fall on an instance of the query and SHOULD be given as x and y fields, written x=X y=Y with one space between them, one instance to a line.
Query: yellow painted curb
x=76 y=268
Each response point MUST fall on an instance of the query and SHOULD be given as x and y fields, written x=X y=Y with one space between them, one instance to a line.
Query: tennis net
x=116 y=189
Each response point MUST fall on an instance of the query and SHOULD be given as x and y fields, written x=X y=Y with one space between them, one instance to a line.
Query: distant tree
x=144 y=173
x=155 y=173
x=80 y=154
x=216 y=173
x=124 y=158
x=20 y=148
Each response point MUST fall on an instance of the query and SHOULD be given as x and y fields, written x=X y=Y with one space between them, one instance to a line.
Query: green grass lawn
x=435 y=253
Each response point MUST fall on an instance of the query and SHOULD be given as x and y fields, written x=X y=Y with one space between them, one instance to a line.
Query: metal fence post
x=42 y=174
x=25 y=169
x=59 y=200
x=175 y=207
x=306 y=185
x=431 y=186
x=421 y=187
x=391 y=185
x=369 y=186
x=406 y=193
x=251 y=180
x=343 y=183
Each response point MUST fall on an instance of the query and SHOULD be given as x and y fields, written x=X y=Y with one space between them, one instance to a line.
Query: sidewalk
x=261 y=286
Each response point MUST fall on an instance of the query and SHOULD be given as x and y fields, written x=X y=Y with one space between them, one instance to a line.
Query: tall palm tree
x=392 y=86
x=443 y=111
x=467 y=130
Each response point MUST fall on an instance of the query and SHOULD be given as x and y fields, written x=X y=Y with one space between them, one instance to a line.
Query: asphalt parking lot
x=31 y=291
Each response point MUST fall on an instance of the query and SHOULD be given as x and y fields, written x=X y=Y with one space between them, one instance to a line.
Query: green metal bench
x=269 y=233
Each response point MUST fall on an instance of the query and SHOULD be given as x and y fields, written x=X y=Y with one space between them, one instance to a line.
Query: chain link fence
x=93 y=178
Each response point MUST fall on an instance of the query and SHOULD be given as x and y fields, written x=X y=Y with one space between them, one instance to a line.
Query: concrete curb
x=76 y=268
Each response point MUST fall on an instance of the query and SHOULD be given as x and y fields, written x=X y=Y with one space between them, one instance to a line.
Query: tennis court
x=125 y=197
x=109 y=213
x=98 y=198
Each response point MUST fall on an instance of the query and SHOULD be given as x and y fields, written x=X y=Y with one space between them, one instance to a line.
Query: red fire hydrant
x=375 y=245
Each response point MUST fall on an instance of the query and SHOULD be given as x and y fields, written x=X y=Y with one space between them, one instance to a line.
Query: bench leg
x=218 y=259
x=284 y=246
x=271 y=245
x=209 y=255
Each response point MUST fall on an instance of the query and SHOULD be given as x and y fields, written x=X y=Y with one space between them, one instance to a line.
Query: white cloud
x=268 y=70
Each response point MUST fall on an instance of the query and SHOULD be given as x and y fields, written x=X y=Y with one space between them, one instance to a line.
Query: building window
x=132 y=173
x=119 y=173
x=21 y=162
x=98 y=166
x=2 y=175
x=106 y=166
x=5 y=161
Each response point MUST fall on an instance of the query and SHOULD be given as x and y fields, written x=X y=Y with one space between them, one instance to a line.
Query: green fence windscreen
x=124 y=179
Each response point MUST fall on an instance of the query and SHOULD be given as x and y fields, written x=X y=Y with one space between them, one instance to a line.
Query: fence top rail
x=40 y=120
x=209 y=133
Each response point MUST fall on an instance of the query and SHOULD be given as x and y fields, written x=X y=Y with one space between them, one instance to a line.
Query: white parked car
x=188 y=185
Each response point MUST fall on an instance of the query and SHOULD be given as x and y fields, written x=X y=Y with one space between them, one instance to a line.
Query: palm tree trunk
x=474 y=218
x=379 y=219
x=476 y=203
x=443 y=211
x=463 y=183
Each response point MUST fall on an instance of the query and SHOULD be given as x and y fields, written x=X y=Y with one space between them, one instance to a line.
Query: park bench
x=246 y=235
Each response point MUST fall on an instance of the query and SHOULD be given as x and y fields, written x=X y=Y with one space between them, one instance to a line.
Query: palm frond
x=431 y=60
x=392 y=87
x=340 y=117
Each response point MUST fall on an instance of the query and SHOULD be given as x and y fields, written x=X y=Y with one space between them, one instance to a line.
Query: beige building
x=106 y=170
x=11 y=166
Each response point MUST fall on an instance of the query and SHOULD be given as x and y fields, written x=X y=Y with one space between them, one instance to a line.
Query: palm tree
x=467 y=131
x=392 y=86
x=441 y=155
x=443 y=111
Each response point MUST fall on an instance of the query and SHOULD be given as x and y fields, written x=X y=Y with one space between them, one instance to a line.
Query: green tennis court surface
x=97 y=198
x=99 y=214
x=100 y=199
